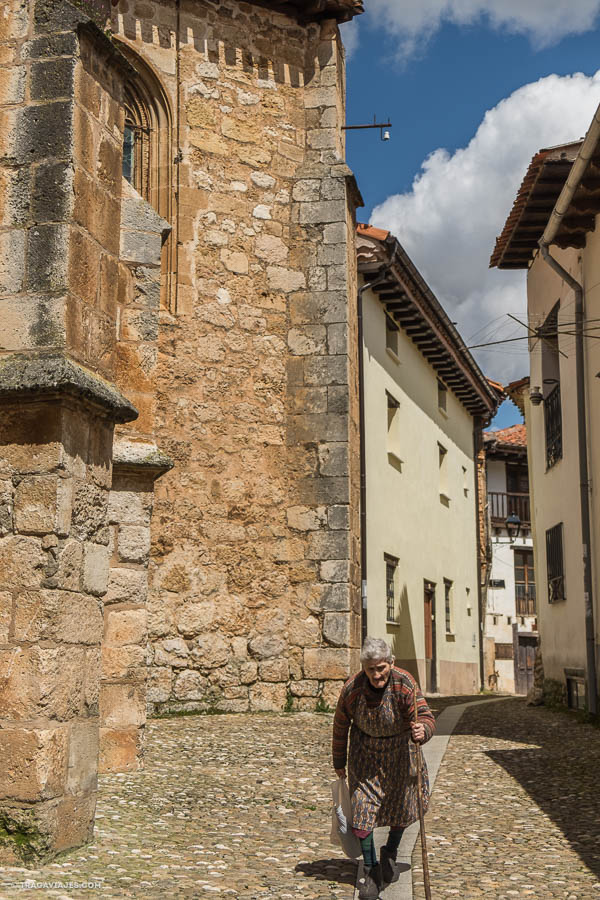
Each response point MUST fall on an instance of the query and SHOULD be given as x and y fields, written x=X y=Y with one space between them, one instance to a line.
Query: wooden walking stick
x=426 y=880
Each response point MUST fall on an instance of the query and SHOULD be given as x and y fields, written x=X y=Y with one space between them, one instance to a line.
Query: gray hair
x=375 y=648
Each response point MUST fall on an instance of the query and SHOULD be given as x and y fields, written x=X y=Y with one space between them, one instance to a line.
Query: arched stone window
x=148 y=151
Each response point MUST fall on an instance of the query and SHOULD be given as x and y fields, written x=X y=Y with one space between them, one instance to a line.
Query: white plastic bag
x=341 y=820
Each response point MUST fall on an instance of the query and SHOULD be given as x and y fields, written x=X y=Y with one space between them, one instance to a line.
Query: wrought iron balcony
x=503 y=505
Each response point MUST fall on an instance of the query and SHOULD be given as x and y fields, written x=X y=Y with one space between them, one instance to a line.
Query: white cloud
x=414 y=22
x=449 y=220
x=349 y=32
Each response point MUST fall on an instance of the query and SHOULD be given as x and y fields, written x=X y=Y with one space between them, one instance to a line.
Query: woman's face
x=378 y=671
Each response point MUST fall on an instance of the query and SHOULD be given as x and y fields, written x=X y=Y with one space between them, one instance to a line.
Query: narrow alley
x=238 y=805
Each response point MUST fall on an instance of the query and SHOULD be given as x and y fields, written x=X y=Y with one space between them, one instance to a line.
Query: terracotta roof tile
x=539 y=190
x=516 y=435
x=377 y=234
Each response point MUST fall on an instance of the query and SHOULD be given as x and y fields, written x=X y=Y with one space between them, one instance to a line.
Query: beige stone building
x=551 y=233
x=425 y=403
x=179 y=467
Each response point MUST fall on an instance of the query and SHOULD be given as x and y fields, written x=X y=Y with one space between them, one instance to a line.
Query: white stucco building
x=425 y=401
x=552 y=233
x=510 y=618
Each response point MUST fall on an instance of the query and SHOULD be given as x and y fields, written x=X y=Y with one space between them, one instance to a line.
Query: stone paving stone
x=236 y=805
x=239 y=805
x=515 y=811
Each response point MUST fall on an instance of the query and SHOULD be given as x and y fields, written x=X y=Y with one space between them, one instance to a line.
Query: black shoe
x=388 y=865
x=370 y=884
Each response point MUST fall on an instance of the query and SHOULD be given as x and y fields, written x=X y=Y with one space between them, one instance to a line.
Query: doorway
x=525 y=645
x=430 y=642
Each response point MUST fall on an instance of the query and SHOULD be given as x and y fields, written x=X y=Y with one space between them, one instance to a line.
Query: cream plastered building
x=563 y=181
x=424 y=402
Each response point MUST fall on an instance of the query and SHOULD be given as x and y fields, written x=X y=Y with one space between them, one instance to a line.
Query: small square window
x=442 y=396
x=391 y=337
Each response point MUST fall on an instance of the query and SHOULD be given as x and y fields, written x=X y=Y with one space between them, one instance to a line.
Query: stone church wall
x=253 y=599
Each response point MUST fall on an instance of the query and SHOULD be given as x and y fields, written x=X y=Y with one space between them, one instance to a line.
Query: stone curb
x=434 y=752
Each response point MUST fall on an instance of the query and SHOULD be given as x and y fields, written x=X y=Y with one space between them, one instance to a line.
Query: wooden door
x=430 y=648
x=526 y=645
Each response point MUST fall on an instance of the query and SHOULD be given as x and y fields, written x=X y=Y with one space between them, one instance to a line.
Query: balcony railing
x=525 y=597
x=503 y=505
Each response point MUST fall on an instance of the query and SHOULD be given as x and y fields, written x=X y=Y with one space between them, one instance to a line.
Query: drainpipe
x=363 y=452
x=480 y=596
x=584 y=484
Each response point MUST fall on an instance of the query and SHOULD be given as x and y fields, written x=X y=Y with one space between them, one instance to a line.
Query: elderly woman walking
x=377 y=707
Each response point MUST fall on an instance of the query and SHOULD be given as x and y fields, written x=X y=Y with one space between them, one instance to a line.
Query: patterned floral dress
x=382 y=772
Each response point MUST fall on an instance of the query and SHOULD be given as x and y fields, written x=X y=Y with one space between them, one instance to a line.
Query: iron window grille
x=448 y=604
x=553 y=423
x=555 y=563
x=390 y=588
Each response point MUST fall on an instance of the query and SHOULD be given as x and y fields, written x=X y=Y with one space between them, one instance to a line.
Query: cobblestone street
x=239 y=805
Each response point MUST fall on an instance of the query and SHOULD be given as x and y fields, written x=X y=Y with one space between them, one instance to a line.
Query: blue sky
x=446 y=181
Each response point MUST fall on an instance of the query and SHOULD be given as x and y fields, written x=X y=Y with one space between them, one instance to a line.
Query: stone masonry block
x=326 y=370
x=335 y=233
x=302 y=518
x=121 y=749
x=133 y=543
x=304 y=632
x=307 y=190
x=124 y=662
x=323 y=212
x=265 y=646
x=52 y=79
x=122 y=705
x=54 y=615
x=327 y=663
x=318 y=307
x=287 y=280
x=127 y=586
x=327 y=545
x=304 y=688
x=40 y=503
x=331 y=254
x=44 y=681
x=82 y=775
x=267 y=697
x=336 y=628
x=338 y=517
x=307 y=341
x=95 y=568
x=5 y=615
x=34 y=762
x=336 y=597
x=320 y=96
x=316 y=427
x=22 y=561
x=333 y=459
x=125 y=626
x=129 y=508
x=315 y=491
x=274 y=670
x=322 y=138
x=335 y=570
x=337 y=339
x=337 y=399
